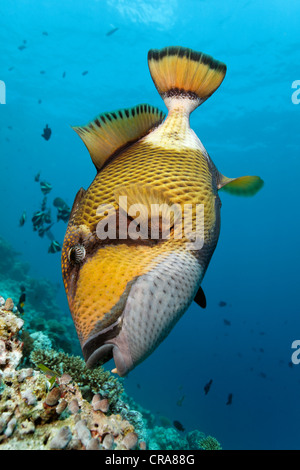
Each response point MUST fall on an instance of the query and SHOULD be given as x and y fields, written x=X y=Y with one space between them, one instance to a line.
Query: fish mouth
x=107 y=344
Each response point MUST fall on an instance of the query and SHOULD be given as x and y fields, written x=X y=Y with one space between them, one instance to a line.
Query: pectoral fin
x=242 y=186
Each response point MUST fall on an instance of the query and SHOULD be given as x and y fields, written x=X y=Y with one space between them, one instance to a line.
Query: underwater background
x=63 y=63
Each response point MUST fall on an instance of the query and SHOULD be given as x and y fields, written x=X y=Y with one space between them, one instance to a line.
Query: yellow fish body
x=127 y=285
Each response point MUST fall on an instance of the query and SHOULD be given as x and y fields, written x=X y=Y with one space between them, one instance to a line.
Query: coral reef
x=91 y=381
x=41 y=311
x=36 y=416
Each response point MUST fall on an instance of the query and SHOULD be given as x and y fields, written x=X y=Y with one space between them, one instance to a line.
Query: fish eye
x=76 y=254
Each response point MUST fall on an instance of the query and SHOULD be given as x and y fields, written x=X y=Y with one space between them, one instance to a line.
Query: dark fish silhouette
x=227 y=322
x=59 y=203
x=179 y=402
x=63 y=214
x=222 y=303
x=54 y=247
x=37 y=177
x=44 y=230
x=111 y=31
x=178 y=425
x=22 y=219
x=45 y=33
x=85 y=72
x=63 y=75
x=47 y=133
x=45 y=187
x=21 y=303
x=229 y=399
x=44 y=203
x=63 y=210
x=38 y=219
x=207 y=387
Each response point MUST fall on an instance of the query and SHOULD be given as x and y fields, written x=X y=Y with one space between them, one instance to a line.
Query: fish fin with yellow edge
x=200 y=298
x=180 y=72
x=153 y=205
x=242 y=186
x=110 y=132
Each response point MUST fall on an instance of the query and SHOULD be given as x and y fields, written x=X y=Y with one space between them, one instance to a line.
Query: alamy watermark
x=2 y=92
x=295 y=358
x=138 y=222
x=296 y=95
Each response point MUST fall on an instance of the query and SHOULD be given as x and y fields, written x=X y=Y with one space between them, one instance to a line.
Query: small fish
x=38 y=219
x=42 y=72
x=222 y=303
x=22 y=47
x=85 y=72
x=229 y=399
x=48 y=216
x=226 y=322
x=39 y=101
x=43 y=230
x=22 y=219
x=50 y=374
x=127 y=283
x=63 y=214
x=45 y=187
x=178 y=425
x=44 y=203
x=59 y=203
x=54 y=247
x=64 y=74
x=10 y=69
x=207 y=387
x=47 y=133
x=21 y=303
x=44 y=33
x=111 y=31
x=180 y=401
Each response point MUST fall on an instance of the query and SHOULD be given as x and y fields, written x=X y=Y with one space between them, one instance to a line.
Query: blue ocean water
x=249 y=126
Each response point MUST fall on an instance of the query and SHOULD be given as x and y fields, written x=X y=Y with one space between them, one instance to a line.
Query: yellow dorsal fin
x=242 y=186
x=152 y=203
x=109 y=132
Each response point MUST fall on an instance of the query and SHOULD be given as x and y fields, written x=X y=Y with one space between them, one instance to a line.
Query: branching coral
x=97 y=380
x=210 y=443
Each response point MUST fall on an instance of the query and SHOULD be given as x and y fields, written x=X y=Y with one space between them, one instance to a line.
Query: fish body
x=54 y=247
x=45 y=187
x=22 y=219
x=47 y=132
x=127 y=285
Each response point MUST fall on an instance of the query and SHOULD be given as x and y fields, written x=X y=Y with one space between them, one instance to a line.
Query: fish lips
x=108 y=343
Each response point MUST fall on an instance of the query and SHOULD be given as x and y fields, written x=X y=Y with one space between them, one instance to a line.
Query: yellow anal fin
x=242 y=186
x=152 y=204
x=111 y=131
x=179 y=71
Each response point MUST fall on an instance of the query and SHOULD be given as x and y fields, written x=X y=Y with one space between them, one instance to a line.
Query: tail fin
x=183 y=73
